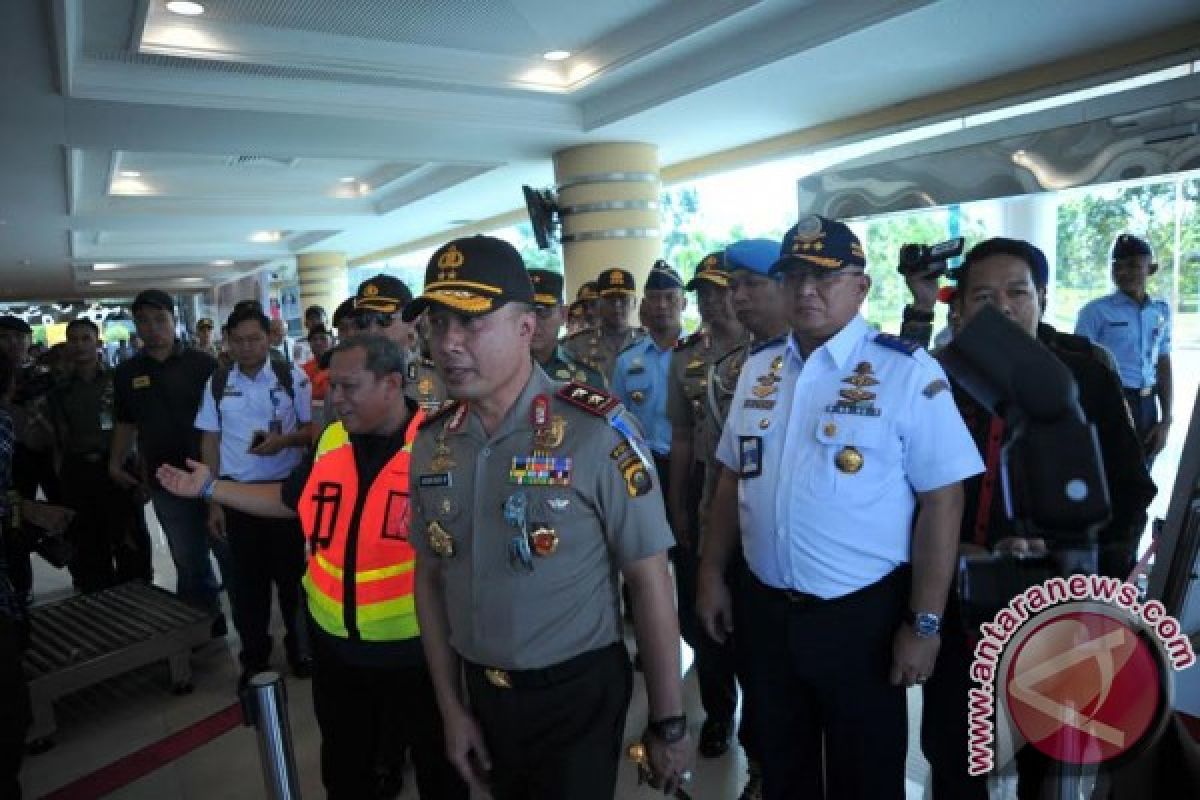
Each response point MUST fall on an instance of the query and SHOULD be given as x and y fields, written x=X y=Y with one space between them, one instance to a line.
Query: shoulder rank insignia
x=769 y=343
x=588 y=399
x=897 y=343
x=439 y=412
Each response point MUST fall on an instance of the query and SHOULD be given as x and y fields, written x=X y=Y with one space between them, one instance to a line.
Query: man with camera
x=1011 y=275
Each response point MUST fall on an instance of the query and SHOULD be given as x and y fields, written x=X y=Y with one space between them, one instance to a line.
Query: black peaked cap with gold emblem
x=821 y=242
x=711 y=269
x=474 y=275
x=615 y=281
x=384 y=293
x=547 y=287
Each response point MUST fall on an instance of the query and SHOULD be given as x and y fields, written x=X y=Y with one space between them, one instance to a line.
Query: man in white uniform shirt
x=842 y=459
x=254 y=418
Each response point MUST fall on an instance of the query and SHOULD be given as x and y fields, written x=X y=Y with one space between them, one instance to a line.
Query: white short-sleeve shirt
x=832 y=450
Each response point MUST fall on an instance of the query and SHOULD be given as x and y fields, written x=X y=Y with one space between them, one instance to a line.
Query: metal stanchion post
x=265 y=705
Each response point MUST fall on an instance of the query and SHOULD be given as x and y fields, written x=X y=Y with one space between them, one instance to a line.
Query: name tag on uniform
x=750 y=456
x=1123 y=324
x=232 y=393
x=141 y=382
x=636 y=369
x=440 y=480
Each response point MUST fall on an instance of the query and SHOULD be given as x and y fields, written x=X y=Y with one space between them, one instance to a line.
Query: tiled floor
x=99 y=725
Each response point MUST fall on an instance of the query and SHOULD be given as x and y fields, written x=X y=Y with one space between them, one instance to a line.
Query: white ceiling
x=356 y=125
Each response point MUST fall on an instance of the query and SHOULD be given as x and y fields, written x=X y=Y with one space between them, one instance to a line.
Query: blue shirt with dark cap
x=640 y=375
x=1137 y=334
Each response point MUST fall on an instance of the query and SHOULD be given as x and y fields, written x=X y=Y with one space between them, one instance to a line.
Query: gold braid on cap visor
x=468 y=302
x=822 y=261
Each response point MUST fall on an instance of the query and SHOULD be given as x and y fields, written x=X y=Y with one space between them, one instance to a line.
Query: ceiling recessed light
x=349 y=179
x=185 y=7
x=190 y=280
x=557 y=55
x=364 y=188
x=106 y=265
x=265 y=236
x=129 y=173
x=222 y=262
x=101 y=283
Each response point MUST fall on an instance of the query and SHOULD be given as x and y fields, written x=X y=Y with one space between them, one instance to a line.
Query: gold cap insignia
x=452 y=258
x=370 y=290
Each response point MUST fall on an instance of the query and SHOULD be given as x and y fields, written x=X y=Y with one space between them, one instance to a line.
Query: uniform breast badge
x=425 y=388
x=443 y=460
x=849 y=460
x=544 y=541
x=637 y=396
x=516 y=509
x=440 y=540
x=857 y=400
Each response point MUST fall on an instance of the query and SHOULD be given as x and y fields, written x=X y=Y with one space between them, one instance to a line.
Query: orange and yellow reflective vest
x=360 y=569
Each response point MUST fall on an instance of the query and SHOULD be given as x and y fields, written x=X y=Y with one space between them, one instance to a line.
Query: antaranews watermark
x=1085 y=681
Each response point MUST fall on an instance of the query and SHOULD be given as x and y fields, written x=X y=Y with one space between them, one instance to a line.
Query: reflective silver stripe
x=609 y=177
x=615 y=233
x=610 y=205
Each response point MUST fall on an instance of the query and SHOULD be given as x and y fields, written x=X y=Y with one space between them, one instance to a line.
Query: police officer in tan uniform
x=377 y=306
x=551 y=313
x=692 y=442
x=599 y=345
x=588 y=298
x=529 y=496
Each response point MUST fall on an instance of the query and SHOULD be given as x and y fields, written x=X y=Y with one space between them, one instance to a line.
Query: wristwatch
x=669 y=729
x=924 y=624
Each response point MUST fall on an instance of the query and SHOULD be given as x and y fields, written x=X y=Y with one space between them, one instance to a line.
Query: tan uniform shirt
x=598 y=350
x=687 y=392
x=606 y=513
x=722 y=379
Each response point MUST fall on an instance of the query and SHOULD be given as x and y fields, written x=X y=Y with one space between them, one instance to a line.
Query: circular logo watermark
x=1085 y=687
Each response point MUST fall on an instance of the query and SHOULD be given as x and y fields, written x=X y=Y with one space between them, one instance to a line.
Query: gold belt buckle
x=498 y=678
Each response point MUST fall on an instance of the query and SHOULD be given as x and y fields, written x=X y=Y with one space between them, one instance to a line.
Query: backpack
x=220 y=379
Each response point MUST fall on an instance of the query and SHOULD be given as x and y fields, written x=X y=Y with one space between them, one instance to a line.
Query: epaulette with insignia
x=445 y=408
x=588 y=399
x=768 y=343
x=722 y=359
x=897 y=343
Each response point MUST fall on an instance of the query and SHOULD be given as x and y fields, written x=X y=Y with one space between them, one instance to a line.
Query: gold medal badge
x=849 y=460
x=440 y=540
x=550 y=435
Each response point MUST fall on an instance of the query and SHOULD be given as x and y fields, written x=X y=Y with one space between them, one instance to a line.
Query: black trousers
x=356 y=706
x=714 y=662
x=818 y=674
x=111 y=545
x=265 y=551
x=944 y=720
x=15 y=713
x=559 y=740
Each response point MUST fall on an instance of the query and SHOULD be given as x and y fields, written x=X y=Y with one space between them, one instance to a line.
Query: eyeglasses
x=821 y=277
x=363 y=320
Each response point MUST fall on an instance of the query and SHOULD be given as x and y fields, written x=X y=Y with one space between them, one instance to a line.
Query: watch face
x=927 y=624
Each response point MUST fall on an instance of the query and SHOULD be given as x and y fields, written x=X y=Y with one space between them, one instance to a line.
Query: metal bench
x=83 y=640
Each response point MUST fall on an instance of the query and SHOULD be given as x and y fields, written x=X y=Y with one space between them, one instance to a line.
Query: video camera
x=1052 y=472
x=915 y=257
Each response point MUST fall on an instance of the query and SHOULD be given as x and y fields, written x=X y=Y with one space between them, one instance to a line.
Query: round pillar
x=322 y=279
x=608 y=203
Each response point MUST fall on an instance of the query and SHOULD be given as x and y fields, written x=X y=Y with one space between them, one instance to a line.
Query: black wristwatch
x=669 y=729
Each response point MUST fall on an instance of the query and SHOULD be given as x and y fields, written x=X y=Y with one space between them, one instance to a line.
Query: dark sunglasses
x=365 y=319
